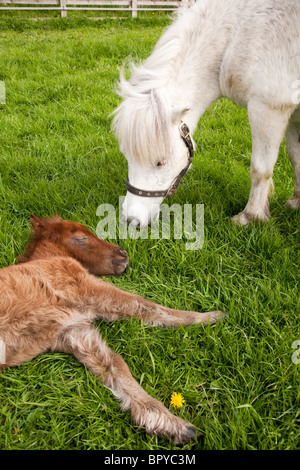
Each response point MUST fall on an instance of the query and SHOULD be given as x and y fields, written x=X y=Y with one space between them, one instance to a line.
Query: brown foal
x=49 y=301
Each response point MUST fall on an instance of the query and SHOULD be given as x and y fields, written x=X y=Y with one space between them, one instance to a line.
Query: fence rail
x=91 y=5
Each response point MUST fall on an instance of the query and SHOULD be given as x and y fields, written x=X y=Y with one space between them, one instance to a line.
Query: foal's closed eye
x=79 y=239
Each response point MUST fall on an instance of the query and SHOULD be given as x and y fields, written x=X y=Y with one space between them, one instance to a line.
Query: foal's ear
x=38 y=225
x=43 y=226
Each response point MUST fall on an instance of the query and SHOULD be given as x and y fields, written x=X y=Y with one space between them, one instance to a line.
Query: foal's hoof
x=293 y=202
x=168 y=426
x=190 y=434
x=210 y=317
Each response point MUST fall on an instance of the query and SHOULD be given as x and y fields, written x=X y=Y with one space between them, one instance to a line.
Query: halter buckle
x=184 y=130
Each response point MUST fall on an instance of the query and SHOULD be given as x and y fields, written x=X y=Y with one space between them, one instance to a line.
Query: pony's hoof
x=241 y=219
x=293 y=202
x=245 y=218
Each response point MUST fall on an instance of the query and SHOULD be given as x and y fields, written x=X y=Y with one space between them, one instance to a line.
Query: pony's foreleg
x=268 y=126
x=86 y=344
x=293 y=147
x=110 y=303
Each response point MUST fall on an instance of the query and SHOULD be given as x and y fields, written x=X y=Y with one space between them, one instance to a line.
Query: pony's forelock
x=142 y=123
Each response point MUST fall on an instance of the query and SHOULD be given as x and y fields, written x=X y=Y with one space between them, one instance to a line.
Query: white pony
x=245 y=50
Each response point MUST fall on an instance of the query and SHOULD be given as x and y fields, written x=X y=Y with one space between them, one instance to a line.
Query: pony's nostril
x=134 y=223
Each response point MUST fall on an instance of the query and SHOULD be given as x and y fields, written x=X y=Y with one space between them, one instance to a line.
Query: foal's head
x=56 y=237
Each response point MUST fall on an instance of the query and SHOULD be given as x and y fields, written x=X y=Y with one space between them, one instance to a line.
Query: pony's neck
x=189 y=56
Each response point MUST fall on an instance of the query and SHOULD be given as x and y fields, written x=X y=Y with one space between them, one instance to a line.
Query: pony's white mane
x=142 y=122
x=154 y=94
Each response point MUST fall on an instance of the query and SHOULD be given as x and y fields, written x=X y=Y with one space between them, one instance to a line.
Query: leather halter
x=186 y=137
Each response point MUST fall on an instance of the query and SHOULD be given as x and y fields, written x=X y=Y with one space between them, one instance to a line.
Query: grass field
x=58 y=155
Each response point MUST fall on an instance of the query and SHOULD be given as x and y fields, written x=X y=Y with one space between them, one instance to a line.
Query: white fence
x=91 y=5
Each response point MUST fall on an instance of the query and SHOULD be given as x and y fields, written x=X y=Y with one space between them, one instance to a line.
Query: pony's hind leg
x=293 y=147
x=86 y=344
x=268 y=126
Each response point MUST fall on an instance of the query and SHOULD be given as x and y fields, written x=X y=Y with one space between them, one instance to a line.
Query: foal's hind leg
x=86 y=344
x=268 y=127
x=293 y=147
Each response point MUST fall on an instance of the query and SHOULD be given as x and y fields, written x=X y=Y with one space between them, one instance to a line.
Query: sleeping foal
x=49 y=301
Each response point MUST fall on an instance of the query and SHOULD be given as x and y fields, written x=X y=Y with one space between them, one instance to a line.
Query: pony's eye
x=161 y=163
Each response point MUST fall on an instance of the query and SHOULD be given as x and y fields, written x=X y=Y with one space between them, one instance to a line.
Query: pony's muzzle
x=139 y=212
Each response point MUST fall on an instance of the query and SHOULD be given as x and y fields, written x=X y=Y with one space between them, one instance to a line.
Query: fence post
x=63 y=12
x=134 y=8
x=187 y=3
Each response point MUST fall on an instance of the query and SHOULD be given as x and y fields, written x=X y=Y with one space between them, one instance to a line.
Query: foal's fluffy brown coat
x=49 y=301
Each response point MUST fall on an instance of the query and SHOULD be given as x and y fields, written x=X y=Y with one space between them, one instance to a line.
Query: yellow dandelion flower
x=177 y=400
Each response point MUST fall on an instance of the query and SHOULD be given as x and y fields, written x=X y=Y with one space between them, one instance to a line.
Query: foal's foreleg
x=111 y=303
x=268 y=126
x=86 y=344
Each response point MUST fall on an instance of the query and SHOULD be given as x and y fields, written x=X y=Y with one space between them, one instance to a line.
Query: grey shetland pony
x=245 y=50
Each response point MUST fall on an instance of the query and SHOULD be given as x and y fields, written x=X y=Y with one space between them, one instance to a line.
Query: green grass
x=58 y=155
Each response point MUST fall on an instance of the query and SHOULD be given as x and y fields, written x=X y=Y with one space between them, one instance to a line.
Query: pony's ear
x=178 y=113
